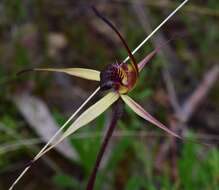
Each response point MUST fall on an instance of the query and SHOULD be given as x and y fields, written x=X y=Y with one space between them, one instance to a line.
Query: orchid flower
x=117 y=79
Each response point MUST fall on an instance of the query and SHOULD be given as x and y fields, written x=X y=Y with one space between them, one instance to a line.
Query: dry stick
x=117 y=113
x=191 y=104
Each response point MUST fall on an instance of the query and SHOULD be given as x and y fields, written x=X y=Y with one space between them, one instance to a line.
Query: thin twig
x=191 y=104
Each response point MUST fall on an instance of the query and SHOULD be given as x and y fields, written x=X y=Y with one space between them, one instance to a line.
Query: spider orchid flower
x=117 y=79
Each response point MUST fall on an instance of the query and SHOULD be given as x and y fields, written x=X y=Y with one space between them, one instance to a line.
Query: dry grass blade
x=156 y=29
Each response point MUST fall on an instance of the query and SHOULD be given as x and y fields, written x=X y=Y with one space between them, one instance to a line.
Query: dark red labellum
x=109 y=77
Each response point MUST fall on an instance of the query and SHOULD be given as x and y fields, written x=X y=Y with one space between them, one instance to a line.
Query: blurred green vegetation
x=26 y=31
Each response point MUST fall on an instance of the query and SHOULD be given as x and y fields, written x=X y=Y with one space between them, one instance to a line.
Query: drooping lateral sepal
x=145 y=115
x=87 y=116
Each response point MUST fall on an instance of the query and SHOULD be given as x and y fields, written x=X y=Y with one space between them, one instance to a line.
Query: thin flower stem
x=156 y=29
x=117 y=113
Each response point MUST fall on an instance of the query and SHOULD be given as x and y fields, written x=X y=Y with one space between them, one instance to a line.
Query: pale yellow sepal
x=89 y=74
x=87 y=116
x=145 y=115
x=92 y=112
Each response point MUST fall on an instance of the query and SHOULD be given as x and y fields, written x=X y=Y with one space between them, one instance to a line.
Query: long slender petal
x=89 y=74
x=144 y=61
x=142 y=113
